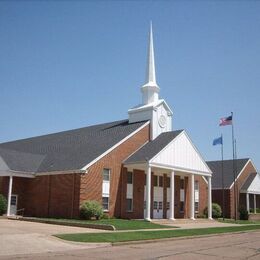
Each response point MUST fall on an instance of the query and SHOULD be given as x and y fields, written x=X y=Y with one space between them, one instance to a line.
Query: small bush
x=91 y=209
x=216 y=211
x=243 y=214
x=3 y=205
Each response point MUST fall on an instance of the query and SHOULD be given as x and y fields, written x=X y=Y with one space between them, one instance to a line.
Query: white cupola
x=152 y=108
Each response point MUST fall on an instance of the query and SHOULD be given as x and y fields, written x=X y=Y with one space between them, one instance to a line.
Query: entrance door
x=13 y=208
x=158 y=202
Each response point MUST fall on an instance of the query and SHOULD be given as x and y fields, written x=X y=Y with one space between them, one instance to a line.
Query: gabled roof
x=149 y=150
x=248 y=181
x=64 y=151
x=170 y=150
x=252 y=184
x=216 y=168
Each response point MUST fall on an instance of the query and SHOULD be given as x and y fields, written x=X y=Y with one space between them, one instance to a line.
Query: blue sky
x=70 y=64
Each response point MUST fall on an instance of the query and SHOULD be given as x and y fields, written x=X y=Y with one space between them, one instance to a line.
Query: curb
x=176 y=238
x=53 y=222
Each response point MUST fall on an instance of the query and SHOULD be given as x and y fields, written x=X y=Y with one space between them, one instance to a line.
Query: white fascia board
x=174 y=168
x=115 y=146
x=60 y=172
x=166 y=105
x=197 y=152
x=249 y=160
x=17 y=174
x=209 y=173
x=151 y=160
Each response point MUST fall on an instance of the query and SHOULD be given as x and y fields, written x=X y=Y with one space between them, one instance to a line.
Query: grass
x=243 y=222
x=149 y=235
x=119 y=224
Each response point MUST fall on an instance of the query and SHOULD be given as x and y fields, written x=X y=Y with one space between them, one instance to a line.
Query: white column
x=192 y=197
x=254 y=203
x=172 y=196
x=9 y=195
x=209 y=199
x=247 y=202
x=148 y=193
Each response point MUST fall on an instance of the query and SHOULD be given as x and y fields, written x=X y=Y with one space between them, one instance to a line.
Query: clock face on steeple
x=162 y=121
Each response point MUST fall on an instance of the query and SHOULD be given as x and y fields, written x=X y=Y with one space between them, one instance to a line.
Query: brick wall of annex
x=91 y=182
x=46 y=196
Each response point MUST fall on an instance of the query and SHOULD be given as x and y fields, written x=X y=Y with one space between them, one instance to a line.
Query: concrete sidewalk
x=197 y=223
x=19 y=237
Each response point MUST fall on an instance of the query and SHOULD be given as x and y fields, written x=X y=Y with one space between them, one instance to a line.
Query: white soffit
x=181 y=153
x=255 y=185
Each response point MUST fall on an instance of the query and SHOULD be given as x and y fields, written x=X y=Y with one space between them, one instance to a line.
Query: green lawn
x=148 y=235
x=119 y=224
x=243 y=222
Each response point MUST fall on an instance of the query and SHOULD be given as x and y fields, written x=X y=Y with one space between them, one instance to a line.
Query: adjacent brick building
x=246 y=185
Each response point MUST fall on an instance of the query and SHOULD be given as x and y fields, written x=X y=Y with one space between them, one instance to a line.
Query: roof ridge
x=64 y=131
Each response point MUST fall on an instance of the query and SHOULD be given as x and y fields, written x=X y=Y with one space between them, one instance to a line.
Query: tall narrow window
x=129 y=192
x=182 y=194
x=106 y=189
x=196 y=196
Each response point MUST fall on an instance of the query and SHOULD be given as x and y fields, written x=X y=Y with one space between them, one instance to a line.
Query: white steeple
x=150 y=90
x=152 y=108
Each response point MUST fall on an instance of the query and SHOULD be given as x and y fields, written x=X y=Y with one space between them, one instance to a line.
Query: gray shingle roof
x=68 y=150
x=216 y=168
x=149 y=150
x=248 y=181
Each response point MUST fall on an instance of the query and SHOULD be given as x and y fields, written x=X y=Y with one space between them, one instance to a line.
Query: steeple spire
x=150 y=74
x=150 y=90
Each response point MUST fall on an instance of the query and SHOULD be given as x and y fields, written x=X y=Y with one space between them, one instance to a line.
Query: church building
x=137 y=168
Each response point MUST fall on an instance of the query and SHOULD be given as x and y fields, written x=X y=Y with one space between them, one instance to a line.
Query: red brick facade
x=61 y=195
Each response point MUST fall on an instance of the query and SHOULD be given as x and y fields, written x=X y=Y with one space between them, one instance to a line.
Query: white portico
x=171 y=153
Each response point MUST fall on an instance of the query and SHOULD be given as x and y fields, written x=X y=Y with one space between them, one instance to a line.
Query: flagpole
x=222 y=174
x=234 y=173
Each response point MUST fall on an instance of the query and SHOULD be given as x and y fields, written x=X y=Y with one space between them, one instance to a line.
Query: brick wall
x=46 y=196
x=91 y=183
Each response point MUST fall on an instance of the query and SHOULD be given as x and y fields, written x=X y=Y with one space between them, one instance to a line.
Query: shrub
x=243 y=214
x=90 y=209
x=216 y=211
x=3 y=204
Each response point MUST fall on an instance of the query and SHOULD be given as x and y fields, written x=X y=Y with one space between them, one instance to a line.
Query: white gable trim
x=240 y=173
x=115 y=146
x=17 y=174
x=196 y=150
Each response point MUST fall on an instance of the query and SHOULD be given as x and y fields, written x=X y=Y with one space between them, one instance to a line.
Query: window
x=105 y=203
x=129 y=178
x=129 y=192
x=181 y=206
x=196 y=206
x=182 y=183
x=129 y=205
x=155 y=180
x=168 y=205
x=106 y=174
x=168 y=182
x=196 y=185
x=105 y=189
x=160 y=181
x=196 y=199
x=155 y=205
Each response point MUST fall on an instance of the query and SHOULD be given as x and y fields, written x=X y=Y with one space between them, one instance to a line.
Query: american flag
x=225 y=121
